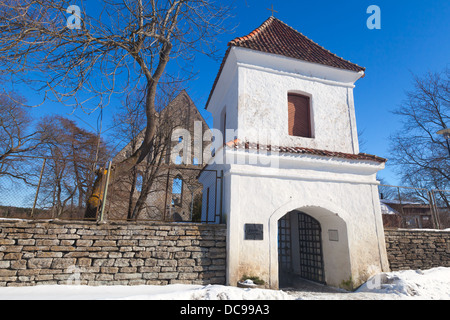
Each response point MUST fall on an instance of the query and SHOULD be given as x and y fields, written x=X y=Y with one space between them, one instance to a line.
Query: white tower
x=298 y=197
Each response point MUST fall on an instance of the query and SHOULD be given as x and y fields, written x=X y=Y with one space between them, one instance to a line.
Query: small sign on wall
x=333 y=235
x=254 y=231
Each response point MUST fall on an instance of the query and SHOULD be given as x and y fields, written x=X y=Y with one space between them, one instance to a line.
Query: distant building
x=406 y=214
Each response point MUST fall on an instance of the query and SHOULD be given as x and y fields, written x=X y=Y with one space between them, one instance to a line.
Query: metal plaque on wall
x=254 y=231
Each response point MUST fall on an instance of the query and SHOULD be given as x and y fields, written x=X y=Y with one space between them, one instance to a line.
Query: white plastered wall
x=253 y=87
x=338 y=203
x=263 y=108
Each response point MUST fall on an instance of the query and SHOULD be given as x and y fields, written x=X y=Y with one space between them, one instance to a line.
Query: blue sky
x=414 y=38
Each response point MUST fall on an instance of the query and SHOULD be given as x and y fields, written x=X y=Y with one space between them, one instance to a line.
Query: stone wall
x=417 y=249
x=33 y=252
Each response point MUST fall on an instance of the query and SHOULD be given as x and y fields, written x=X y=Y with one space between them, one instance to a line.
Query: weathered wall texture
x=111 y=254
x=417 y=249
x=253 y=89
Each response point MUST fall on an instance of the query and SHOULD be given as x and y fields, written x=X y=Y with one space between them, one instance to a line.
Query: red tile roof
x=237 y=144
x=276 y=37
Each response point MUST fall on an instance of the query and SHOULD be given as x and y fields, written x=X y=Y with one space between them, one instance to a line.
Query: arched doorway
x=300 y=251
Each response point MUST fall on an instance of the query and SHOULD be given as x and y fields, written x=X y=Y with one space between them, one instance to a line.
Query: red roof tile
x=276 y=37
x=237 y=144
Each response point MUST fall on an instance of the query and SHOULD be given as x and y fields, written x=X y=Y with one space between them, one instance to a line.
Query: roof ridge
x=254 y=33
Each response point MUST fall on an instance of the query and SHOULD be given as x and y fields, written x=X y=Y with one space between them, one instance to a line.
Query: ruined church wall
x=40 y=252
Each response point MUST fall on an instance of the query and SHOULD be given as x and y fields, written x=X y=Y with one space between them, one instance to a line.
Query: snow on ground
x=169 y=292
x=410 y=284
x=430 y=284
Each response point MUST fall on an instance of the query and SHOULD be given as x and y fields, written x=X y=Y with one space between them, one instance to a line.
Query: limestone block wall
x=417 y=249
x=33 y=252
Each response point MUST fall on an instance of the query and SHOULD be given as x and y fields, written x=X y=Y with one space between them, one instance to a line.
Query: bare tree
x=126 y=43
x=72 y=157
x=419 y=153
x=17 y=137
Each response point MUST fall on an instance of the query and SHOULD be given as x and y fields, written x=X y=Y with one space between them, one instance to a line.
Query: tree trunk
x=124 y=167
x=130 y=198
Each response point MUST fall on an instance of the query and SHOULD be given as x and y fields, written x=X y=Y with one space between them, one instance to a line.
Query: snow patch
x=429 y=284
